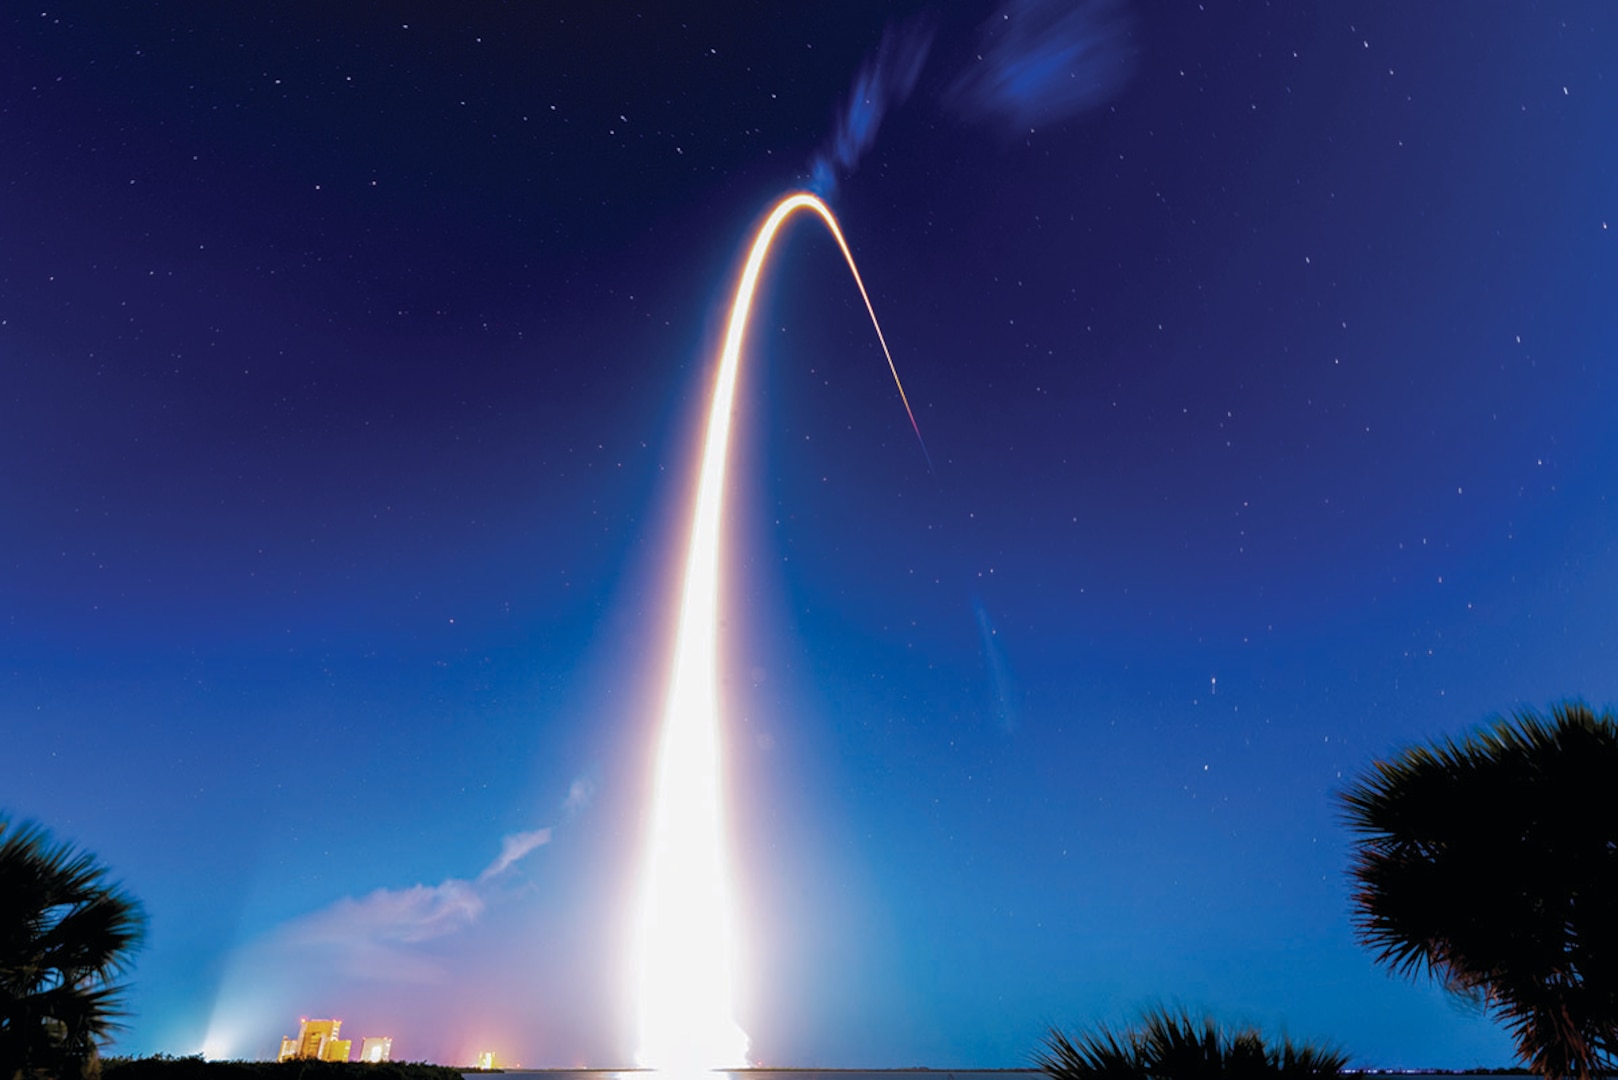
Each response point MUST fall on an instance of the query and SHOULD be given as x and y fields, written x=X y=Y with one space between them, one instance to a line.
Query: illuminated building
x=317 y=1039
x=375 y=1049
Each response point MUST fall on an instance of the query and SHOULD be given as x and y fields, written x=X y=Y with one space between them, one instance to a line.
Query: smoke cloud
x=359 y=935
x=1036 y=62
x=579 y=794
x=884 y=81
x=1041 y=61
x=427 y=962
x=375 y=936
x=515 y=847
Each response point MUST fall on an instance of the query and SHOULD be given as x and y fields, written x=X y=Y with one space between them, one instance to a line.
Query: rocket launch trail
x=686 y=948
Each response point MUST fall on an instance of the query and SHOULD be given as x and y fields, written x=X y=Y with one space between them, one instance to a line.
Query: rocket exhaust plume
x=686 y=949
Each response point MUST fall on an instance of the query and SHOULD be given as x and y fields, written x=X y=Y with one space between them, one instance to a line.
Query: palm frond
x=1175 y=1045
x=1491 y=864
x=65 y=934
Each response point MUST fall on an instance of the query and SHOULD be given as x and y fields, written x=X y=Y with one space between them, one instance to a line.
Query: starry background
x=352 y=359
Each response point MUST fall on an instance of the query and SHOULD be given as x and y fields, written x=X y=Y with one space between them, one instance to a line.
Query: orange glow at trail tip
x=685 y=948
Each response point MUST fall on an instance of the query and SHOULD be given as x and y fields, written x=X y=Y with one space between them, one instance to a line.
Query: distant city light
x=317 y=1041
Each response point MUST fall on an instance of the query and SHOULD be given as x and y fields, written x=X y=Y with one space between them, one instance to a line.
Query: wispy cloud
x=356 y=933
x=388 y=937
x=1035 y=62
x=371 y=936
x=513 y=848
x=579 y=794
x=402 y=916
x=1004 y=706
x=1040 y=61
x=884 y=81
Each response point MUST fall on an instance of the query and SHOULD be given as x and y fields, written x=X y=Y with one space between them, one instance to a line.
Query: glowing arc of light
x=686 y=949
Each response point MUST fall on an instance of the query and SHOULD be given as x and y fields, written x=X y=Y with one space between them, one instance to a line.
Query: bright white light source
x=686 y=941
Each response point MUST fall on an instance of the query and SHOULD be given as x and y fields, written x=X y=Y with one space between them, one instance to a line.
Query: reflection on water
x=864 y=1074
x=771 y=1074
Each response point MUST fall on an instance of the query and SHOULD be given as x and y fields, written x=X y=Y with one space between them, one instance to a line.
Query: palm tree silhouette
x=1492 y=865
x=1177 y=1046
x=66 y=934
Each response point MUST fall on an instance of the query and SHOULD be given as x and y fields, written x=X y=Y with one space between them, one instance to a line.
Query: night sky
x=353 y=358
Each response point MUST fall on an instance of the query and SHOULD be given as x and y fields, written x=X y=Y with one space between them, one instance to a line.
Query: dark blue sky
x=353 y=355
